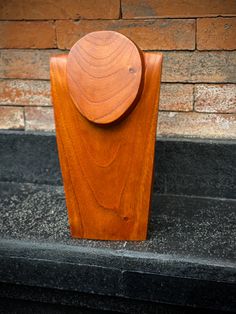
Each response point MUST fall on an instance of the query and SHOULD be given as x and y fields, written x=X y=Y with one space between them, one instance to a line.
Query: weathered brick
x=216 y=33
x=161 y=34
x=29 y=64
x=215 y=98
x=176 y=97
x=11 y=117
x=59 y=9
x=192 y=124
x=39 y=118
x=25 y=93
x=177 y=8
x=209 y=67
x=27 y=35
x=181 y=66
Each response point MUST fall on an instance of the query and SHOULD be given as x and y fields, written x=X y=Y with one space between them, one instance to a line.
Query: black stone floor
x=189 y=258
x=187 y=265
x=196 y=228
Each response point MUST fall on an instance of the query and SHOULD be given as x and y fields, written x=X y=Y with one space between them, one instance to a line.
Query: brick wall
x=198 y=40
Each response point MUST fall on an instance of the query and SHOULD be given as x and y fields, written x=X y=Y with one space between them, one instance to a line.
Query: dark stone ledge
x=187 y=265
x=183 y=166
x=188 y=260
x=45 y=300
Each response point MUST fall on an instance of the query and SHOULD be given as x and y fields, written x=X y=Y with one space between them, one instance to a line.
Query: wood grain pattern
x=104 y=71
x=107 y=170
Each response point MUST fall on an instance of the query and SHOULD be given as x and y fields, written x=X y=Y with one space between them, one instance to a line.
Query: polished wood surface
x=107 y=170
x=104 y=73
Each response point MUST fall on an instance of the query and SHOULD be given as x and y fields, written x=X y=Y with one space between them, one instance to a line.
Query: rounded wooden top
x=104 y=71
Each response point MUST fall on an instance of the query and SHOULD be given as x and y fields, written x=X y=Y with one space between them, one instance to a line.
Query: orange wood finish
x=107 y=169
x=104 y=72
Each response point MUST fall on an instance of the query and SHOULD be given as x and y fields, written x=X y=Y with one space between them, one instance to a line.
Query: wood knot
x=132 y=70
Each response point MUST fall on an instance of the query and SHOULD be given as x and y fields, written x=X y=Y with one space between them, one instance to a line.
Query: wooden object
x=105 y=96
x=104 y=72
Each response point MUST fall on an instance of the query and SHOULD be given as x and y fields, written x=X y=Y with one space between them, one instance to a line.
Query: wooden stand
x=105 y=95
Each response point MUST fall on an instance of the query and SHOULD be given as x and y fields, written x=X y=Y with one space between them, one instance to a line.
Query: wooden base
x=107 y=169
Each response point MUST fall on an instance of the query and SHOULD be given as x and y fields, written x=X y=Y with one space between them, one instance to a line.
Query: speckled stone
x=182 y=226
x=188 y=262
x=183 y=166
x=189 y=257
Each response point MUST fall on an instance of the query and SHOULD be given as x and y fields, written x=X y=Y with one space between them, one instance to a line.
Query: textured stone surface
x=27 y=35
x=204 y=168
x=184 y=66
x=162 y=34
x=38 y=304
x=40 y=215
x=177 y=8
x=71 y=302
x=182 y=167
x=175 y=265
x=188 y=258
x=39 y=118
x=11 y=118
x=215 y=98
x=25 y=93
x=58 y=9
x=216 y=33
x=20 y=162
x=195 y=124
x=26 y=64
x=176 y=97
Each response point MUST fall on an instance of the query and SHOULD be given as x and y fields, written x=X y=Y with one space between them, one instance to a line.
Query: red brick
x=162 y=34
x=59 y=9
x=39 y=118
x=27 y=35
x=25 y=93
x=177 y=8
x=11 y=117
x=215 y=98
x=192 y=124
x=27 y=64
x=176 y=97
x=209 y=67
x=181 y=66
x=216 y=33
